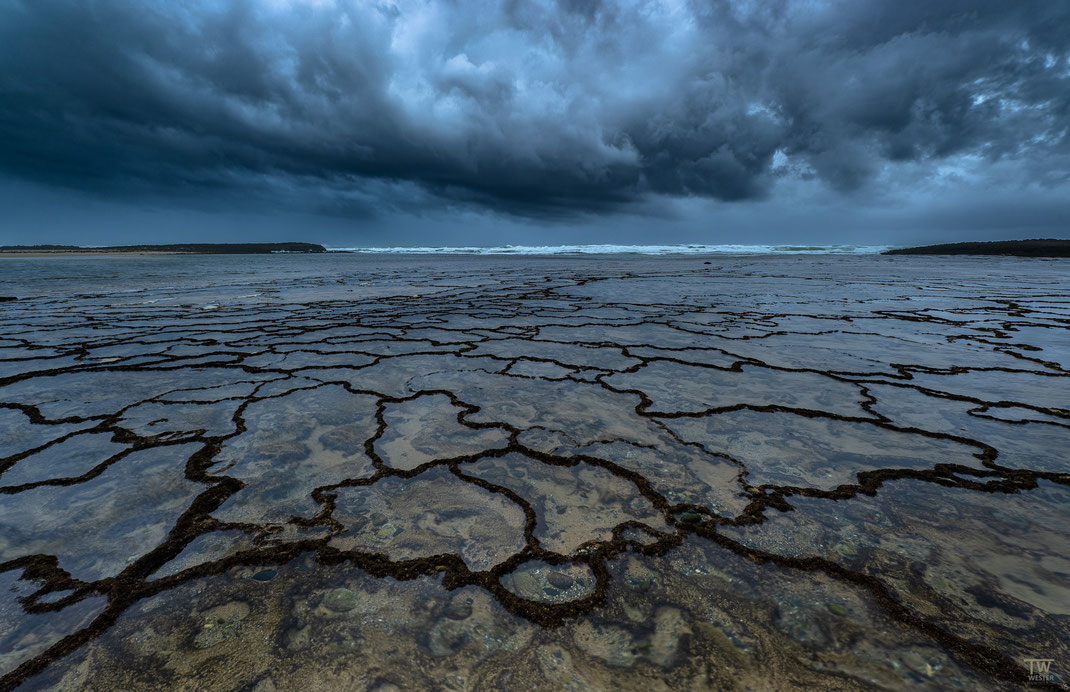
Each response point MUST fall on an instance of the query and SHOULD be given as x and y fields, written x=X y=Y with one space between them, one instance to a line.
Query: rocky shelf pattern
x=838 y=472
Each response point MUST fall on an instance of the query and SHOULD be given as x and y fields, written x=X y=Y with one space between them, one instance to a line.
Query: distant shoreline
x=1036 y=247
x=169 y=249
x=82 y=253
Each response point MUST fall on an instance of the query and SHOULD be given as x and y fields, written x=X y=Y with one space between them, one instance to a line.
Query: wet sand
x=292 y=473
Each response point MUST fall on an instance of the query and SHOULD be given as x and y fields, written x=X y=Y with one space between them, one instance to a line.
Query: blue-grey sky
x=556 y=121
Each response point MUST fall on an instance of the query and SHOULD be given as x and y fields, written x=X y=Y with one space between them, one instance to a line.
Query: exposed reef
x=534 y=474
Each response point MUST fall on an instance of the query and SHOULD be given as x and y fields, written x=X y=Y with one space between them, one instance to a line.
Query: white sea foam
x=622 y=250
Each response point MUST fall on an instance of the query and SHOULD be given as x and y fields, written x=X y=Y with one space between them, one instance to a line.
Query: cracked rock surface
x=471 y=473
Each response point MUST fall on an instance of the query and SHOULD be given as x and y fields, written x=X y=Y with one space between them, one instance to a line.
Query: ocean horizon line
x=610 y=249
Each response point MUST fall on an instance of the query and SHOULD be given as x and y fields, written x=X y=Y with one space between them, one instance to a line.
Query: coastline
x=1034 y=247
x=45 y=250
x=73 y=253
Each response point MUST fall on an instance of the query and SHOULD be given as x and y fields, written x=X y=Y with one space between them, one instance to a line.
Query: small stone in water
x=640 y=584
x=525 y=584
x=387 y=531
x=633 y=613
x=559 y=580
x=340 y=600
x=691 y=517
x=265 y=575
x=458 y=610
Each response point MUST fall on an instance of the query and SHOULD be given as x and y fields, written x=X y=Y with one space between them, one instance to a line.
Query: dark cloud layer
x=531 y=108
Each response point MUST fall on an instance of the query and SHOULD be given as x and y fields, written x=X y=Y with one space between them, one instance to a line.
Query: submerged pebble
x=458 y=610
x=538 y=582
x=691 y=517
x=221 y=623
x=340 y=600
x=387 y=531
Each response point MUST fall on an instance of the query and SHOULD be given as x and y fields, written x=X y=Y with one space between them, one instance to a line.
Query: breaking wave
x=622 y=250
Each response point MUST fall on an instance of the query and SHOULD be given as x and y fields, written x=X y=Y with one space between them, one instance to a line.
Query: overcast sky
x=467 y=122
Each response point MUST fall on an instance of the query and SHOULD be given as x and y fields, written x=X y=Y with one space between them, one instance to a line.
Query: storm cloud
x=532 y=109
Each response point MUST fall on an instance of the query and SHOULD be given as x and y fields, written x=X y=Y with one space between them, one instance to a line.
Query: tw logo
x=1040 y=668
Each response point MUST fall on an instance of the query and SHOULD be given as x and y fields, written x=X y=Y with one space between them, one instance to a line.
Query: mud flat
x=342 y=472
